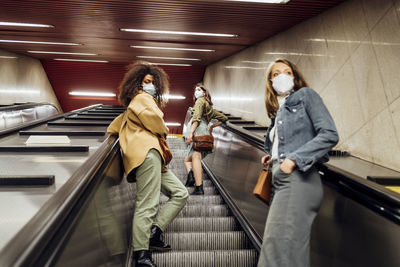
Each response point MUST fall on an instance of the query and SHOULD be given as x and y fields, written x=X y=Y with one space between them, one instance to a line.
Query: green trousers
x=150 y=181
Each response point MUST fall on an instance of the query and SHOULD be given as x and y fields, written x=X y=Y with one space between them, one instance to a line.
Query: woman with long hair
x=203 y=113
x=142 y=92
x=301 y=133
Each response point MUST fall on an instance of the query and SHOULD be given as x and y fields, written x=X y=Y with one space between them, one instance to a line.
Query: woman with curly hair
x=142 y=92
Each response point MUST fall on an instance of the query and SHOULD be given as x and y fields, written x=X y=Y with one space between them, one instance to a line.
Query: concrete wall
x=350 y=55
x=23 y=79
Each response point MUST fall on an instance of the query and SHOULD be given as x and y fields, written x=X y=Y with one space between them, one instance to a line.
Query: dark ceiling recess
x=78 y=76
x=95 y=25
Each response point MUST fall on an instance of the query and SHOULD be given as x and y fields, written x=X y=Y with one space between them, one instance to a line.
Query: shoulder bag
x=203 y=142
x=263 y=188
x=167 y=155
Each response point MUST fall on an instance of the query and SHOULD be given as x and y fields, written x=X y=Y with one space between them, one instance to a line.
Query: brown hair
x=271 y=101
x=132 y=82
x=206 y=96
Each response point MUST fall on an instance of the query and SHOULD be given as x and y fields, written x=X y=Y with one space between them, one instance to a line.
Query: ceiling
x=95 y=25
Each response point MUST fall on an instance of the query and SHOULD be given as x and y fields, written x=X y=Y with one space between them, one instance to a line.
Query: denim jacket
x=305 y=128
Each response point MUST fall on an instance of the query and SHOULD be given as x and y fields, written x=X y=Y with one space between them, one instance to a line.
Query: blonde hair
x=271 y=101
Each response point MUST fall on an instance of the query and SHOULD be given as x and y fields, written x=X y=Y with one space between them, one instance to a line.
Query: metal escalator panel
x=96 y=233
x=354 y=227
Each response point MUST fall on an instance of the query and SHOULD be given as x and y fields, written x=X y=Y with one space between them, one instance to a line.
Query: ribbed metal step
x=203 y=224
x=204 y=211
x=206 y=182
x=207 y=190
x=217 y=258
x=199 y=200
x=204 y=233
x=210 y=240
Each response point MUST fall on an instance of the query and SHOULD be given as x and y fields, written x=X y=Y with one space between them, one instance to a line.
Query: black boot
x=190 y=179
x=198 y=190
x=143 y=259
x=156 y=240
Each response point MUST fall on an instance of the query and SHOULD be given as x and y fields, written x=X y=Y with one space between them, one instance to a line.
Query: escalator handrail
x=28 y=244
x=30 y=124
x=386 y=196
x=25 y=106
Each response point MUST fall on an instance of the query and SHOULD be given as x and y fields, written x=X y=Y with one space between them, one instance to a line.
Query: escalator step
x=203 y=224
x=218 y=258
x=207 y=190
x=199 y=199
x=207 y=241
x=204 y=211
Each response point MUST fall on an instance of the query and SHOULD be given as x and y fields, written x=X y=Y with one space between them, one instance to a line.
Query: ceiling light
x=172 y=124
x=82 y=60
x=35 y=42
x=263 y=1
x=295 y=54
x=350 y=41
x=182 y=33
x=173 y=48
x=171 y=64
x=18 y=24
x=243 y=67
x=7 y=57
x=256 y=62
x=62 y=53
x=170 y=58
x=99 y=94
x=233 y=98
x=175 y=97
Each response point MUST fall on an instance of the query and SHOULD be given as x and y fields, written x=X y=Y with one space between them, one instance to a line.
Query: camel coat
x=138 y=128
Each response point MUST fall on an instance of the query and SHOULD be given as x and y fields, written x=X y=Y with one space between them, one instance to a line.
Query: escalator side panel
x=235 y=163
x=346 y=232
x=100 y=235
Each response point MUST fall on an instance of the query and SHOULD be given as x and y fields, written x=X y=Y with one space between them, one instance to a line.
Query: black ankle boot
x=143 y=259
x=190 y=179
x=156 y=240
x=198 y=190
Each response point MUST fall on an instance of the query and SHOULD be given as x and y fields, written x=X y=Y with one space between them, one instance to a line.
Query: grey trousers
x=297 y=198
x=150 y=181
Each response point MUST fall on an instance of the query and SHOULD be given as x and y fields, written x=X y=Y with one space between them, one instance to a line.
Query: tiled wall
x=23 y=79
x=350 y=55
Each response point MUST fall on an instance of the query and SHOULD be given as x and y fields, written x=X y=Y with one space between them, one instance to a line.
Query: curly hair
x=271 y=101
x=207 y=95
x=132 y=82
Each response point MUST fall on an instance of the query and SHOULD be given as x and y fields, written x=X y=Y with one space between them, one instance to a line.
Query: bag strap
x=268 y=167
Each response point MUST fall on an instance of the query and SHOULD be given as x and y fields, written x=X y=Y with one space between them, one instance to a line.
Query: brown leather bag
x=165 y=149
x=203 y=142
x=263 y=188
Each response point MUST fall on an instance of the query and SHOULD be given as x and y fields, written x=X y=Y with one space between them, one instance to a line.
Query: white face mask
x=198 y=94
x=283 y=83
x=150 y=89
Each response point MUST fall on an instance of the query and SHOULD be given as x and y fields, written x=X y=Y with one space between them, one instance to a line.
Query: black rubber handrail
x=364 y=185
x=44 y=148
x=388 y=197
x=31 y=241
x=26 y=180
